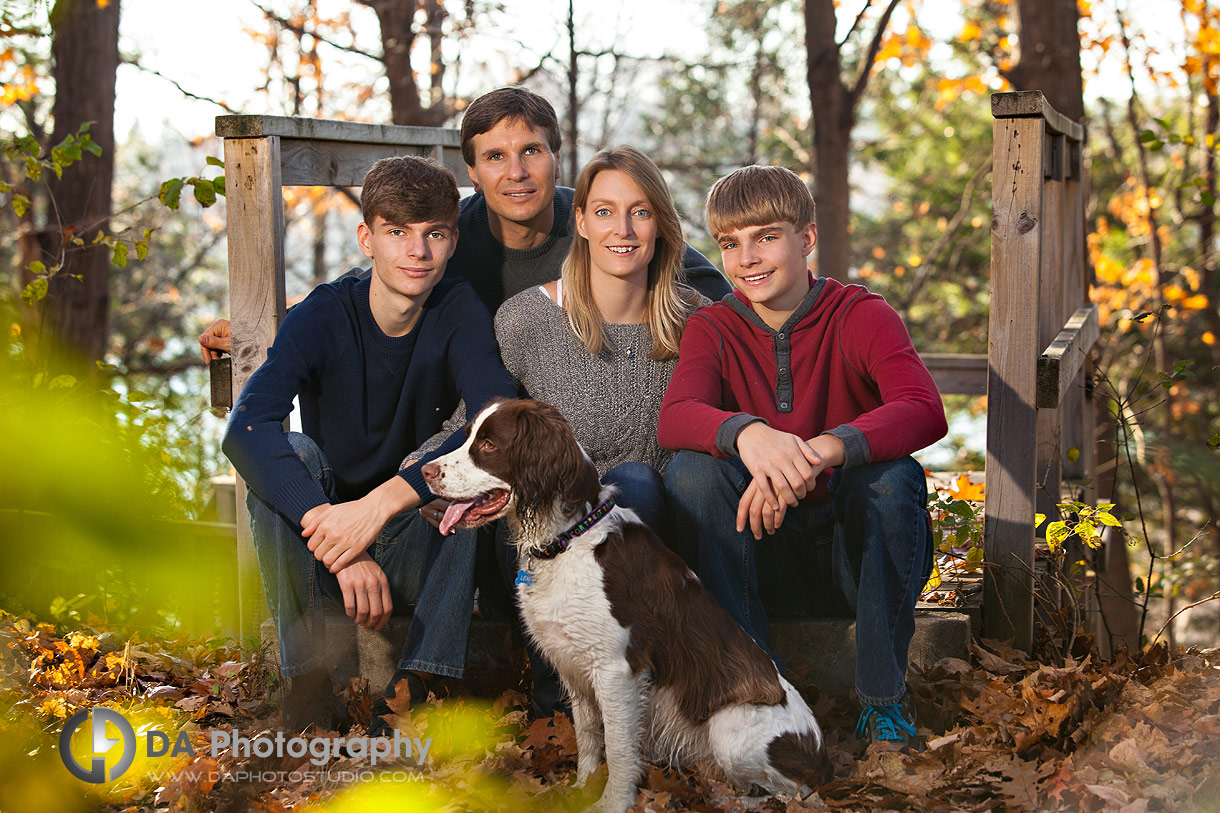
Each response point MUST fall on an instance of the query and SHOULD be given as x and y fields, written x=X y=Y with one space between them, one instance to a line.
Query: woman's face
x=620 y=225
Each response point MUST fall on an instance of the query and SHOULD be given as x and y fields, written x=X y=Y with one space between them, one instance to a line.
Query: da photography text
x=157 y=743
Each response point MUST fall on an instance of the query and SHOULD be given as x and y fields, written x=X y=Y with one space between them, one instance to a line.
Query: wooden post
x=255 y=215
x=1038 y=280
x=1012 y=345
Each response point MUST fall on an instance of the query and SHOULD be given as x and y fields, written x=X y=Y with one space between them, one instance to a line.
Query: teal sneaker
x=892 y=723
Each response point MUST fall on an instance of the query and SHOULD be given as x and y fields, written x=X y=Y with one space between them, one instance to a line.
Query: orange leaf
x=963 y=489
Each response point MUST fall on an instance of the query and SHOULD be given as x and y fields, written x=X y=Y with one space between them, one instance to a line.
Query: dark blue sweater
x=366 y=399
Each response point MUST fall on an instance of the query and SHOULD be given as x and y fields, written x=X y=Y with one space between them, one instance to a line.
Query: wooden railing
x=1041 y=329
x=1040 y=332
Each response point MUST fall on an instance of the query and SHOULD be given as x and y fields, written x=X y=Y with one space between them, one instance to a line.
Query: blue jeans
x=867 y=556
x=424 y=569
x=641 y=489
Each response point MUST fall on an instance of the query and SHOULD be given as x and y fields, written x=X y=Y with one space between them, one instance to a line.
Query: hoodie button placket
x=783 y=372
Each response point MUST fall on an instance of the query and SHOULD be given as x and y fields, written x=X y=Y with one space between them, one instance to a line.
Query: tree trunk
x=573 y=100
x=1049 y=54
x=833 y=117
x=85 y=48
x=397 y=19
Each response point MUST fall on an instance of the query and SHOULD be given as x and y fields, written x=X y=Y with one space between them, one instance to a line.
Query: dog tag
x=524 y=578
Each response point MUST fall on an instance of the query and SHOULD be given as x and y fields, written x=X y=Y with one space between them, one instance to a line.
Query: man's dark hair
x=513 y=104
x=409 y=189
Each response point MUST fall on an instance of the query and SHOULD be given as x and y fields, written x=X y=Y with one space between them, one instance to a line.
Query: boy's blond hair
x=756 y=196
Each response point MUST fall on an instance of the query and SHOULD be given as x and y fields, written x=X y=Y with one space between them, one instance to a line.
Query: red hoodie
x=842 y=364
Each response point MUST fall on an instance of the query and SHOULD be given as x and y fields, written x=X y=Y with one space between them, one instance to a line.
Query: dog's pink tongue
x=453 y=515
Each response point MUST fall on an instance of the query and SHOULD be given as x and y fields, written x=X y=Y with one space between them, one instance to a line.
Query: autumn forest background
x=112 y=256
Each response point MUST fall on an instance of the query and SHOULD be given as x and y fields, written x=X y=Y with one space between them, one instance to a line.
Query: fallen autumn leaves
x=1133 y=734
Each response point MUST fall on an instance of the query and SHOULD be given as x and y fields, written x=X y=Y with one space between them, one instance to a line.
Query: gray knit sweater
x=612 y=399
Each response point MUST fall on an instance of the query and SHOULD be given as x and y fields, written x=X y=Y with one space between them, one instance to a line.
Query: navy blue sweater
x=366 y=399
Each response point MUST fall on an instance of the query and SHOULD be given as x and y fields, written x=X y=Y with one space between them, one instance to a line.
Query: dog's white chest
x=564 y=605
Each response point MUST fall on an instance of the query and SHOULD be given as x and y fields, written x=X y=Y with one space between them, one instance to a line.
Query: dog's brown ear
x=548 y=462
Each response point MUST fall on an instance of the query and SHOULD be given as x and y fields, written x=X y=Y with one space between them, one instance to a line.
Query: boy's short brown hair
x=409 y=189
x=514 y=104
x=756 y=196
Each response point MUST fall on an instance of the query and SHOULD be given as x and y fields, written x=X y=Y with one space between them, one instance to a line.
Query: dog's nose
x=431 y=472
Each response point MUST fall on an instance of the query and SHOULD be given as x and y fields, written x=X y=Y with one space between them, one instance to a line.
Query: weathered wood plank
x=1077 y=399
x=335 y=163
x=255 y=216
x=220 y=376
x=957 y=373
x=1052 y=313
x=329 y=130
x=1061 y=362
x=1032 y=104
x=1012 y=342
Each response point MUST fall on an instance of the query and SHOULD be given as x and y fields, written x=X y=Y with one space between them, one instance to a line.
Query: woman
x=601 y=342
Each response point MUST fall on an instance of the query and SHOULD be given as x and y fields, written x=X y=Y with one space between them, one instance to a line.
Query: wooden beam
x=1052 y=312
x=1012 y=344
x=957 y=373
x=1032 y=104
x=335 y=163
x=254 y=206
x=1066 y=355
x=289 y=127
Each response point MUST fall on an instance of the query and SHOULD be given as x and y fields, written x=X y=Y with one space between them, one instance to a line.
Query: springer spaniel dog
x=654 y=667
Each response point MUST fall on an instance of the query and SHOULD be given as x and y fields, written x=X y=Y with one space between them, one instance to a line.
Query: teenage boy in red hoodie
x=797 y=402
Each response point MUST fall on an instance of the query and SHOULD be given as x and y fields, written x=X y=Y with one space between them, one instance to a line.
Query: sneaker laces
x=888 y=723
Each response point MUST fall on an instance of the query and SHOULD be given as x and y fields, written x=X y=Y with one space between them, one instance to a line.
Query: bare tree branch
x=866 y=65
x=190 y=95
x=302 y=31
x=855 y=23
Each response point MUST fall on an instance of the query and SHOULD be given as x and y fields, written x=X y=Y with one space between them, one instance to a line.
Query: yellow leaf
x=891 y=49
x=934 y=579
x=1195 y=303
x=970 y=32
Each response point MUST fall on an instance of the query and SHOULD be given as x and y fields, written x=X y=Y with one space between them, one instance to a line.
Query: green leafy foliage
x=205 y=190
x=1082 y=521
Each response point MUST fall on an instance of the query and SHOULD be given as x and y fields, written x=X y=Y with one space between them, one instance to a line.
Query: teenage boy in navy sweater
x=377 y=363
x=798 y=402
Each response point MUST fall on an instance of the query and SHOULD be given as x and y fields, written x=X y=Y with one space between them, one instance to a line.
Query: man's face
x=515 y=170
x=768 y=263
x=408 y=258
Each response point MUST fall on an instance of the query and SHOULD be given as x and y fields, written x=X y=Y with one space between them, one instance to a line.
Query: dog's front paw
x=614 y=801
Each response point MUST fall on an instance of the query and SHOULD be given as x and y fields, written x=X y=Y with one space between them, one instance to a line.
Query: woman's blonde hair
x=668 y=305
